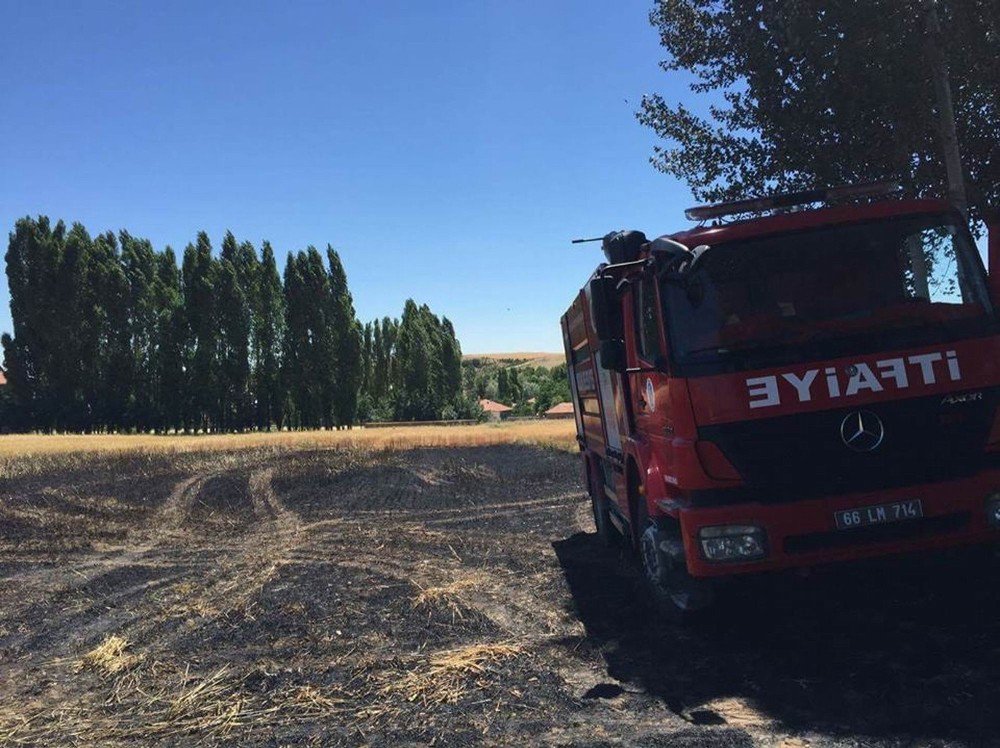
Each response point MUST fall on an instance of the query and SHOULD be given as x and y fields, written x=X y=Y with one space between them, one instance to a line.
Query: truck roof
x=803 y=219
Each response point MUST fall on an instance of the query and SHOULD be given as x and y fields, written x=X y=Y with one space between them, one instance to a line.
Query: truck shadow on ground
x=890 y=649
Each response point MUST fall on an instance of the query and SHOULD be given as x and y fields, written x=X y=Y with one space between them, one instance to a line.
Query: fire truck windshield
x=917 y=279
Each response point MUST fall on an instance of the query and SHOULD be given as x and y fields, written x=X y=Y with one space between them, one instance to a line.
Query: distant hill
x=522 y=358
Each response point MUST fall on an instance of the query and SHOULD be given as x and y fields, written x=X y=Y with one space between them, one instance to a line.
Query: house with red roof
x=495 y=411
x=559 y=410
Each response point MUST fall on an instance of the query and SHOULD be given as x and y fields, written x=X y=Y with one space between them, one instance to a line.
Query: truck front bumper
x=804 y=533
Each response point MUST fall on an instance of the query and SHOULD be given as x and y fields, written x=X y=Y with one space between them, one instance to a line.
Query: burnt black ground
x=304 y=597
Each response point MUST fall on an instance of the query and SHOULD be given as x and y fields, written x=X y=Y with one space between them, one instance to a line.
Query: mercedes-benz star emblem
x=862 y=431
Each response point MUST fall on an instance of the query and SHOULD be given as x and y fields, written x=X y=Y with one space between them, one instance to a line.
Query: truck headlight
x=732 y=542
x=993 y=509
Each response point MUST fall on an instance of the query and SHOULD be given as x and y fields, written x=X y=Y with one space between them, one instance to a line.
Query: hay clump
x=448 y=595
x=110 y=657
x=447 y=675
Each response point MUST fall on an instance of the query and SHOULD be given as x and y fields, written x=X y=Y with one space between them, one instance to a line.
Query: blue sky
x=448 y=150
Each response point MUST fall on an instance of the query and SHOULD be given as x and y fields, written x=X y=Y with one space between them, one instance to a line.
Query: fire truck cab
x=813 y=385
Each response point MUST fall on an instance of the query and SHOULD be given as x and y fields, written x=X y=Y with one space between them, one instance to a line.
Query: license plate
x=879 y=514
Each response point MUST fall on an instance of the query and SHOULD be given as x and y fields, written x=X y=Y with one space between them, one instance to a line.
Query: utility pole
x=946 y=111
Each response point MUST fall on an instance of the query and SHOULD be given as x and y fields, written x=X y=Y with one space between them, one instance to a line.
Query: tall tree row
x=110 y=334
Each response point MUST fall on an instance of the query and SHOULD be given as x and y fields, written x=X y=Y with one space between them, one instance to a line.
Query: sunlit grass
x=556 y=433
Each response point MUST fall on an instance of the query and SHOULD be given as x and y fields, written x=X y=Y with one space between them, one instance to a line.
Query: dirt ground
x=445 y=596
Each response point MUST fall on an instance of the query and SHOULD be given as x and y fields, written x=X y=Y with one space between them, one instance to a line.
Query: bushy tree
x=415 y=368
x=826 y=92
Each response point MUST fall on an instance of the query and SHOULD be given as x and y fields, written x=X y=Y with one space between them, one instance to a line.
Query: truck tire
x=606 y=531
x=676 y=594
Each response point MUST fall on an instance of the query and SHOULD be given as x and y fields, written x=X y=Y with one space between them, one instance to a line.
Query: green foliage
x=530 y=390
x=412 y=369
x=322 y=342
x=823 y=93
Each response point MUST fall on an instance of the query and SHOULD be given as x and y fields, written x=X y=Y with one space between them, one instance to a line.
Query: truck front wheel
x=675 y=593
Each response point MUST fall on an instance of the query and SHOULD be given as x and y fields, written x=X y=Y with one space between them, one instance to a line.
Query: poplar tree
x=107 y=292
x=413 y=356
x=199 y=273
x=268 y=335
x=139 y=262
x=308 y=349
x=171 y=344
x=34 y=253
x=78 y=351
x=385 y=358
x=322 y=349
x=232 y=347
x=294 y=342
x=451 y=362
x=347 y=334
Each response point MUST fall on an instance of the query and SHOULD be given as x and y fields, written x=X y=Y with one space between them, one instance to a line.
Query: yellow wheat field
x=558 y=433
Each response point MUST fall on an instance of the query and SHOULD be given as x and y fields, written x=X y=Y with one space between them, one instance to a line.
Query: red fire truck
x=818 y=383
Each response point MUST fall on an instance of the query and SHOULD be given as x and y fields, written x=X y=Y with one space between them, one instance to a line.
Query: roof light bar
x=790 y=199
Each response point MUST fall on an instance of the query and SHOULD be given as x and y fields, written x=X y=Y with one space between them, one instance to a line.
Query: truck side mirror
x=993 y=254
x=606 y=316
x=613 y=355
x=605 y=309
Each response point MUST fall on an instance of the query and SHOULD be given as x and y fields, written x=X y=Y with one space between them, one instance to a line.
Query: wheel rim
x=663 y=572
x=651 y=555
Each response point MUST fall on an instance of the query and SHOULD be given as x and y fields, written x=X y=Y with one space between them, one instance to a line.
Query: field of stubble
x=355 y=593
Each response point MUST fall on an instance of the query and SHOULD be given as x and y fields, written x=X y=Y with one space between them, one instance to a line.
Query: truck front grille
x=802 y=456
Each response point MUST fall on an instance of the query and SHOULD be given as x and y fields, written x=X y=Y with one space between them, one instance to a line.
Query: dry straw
x=46 y=448
x=446 y=676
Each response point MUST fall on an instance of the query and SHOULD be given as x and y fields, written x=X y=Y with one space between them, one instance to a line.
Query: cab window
x=646 y=322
